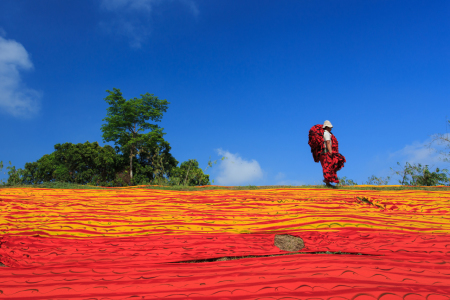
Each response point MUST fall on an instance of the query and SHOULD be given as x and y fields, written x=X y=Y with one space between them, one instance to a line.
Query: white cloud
x=15 y=98
x=416 y=153
x=234 y=170
x=132 y=18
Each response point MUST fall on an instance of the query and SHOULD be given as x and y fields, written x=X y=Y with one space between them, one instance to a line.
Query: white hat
x=327 y=124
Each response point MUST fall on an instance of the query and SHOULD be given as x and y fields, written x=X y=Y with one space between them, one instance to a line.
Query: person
x=325 y=149
x=326 y=157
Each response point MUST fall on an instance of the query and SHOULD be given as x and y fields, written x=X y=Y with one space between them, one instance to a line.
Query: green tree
x=405 y=173
x=188 y=173
x=418 y=175
x=373 y=180
x=126 y=122
x=427 y=178
x=84 y=163
x=1 y=168
x=41 y=170
x=154 y=161
x=15 y=176
x=75 y=163
x=346 y=181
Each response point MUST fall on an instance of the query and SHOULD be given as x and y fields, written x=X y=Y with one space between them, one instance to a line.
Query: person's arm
x=329 y=147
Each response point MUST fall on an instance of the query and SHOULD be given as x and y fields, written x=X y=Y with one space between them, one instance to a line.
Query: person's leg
x=327 y=183
x=325 y=162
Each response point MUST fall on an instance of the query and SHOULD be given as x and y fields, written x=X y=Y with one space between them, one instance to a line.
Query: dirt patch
x=289 y=242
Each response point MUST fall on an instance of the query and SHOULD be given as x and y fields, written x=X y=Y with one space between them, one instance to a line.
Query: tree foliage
x=188 y=173
x=154 y=162
x=75 y=163
x=91 y=164
x=15 y=176
x=374 y=180
x=418 y=175
x=126 y=122
x=346 y=181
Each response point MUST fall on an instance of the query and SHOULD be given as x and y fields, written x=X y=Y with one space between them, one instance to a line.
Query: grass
x=64 y=185
x=53 y=185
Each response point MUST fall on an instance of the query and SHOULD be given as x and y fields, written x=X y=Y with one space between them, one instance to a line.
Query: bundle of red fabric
x=330 y=163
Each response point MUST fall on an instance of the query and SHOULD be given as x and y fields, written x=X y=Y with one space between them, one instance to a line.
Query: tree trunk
x=131 y=164
x=187 y=173
x=131 y=155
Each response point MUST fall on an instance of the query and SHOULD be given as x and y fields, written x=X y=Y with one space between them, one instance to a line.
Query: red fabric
x=396 y=265
x=326 y=160
x=316 y=142
x=26 y=252
x=35 y=251
x=305 y=276
x=331 y=163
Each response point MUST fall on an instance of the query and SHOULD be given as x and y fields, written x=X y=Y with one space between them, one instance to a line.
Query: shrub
x=74 y=163
x=373 y=180
x=420 y=175
x=345 y=181
x=188 y=173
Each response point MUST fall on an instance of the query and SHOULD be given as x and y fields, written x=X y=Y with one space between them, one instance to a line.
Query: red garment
x=330 y=163
x=316 y=142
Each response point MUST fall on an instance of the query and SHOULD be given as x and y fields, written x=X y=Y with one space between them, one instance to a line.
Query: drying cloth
x=331 y=163
x=316 y=142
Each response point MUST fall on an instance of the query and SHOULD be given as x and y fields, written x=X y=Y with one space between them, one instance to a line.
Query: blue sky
x=245 y=79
